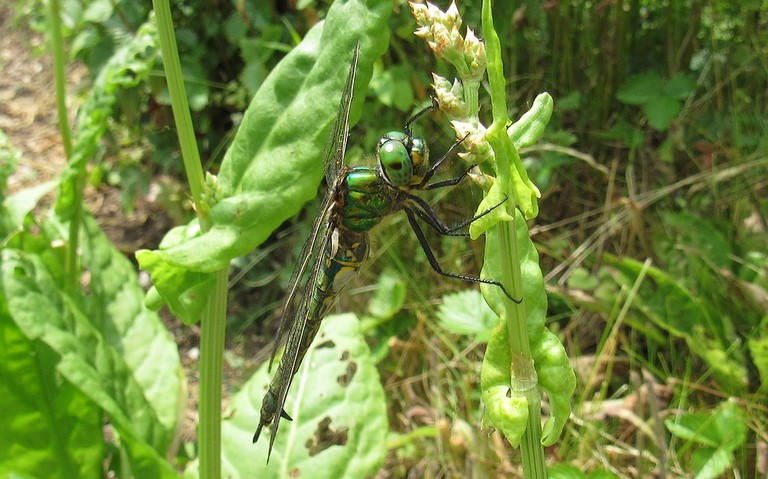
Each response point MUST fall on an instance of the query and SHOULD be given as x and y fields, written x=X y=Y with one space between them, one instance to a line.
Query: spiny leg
x=436 y=266
x=431 y=172
x=422 y=209
x=449 y=182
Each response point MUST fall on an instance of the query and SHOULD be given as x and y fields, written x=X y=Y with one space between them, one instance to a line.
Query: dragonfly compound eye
x=396 y=163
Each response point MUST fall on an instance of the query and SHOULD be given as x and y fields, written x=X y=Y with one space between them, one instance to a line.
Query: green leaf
x=568 y=471
x=393 y=87
x=467 y=313
x=704 y=238
x=131 y=329
x=50 y=429
x=98 y=11
x=274 y=164
x=679 y=86
x=660 y=111
x=485 y=222
x=623 y=131
x=96 y=359
x=339 y=414
x=721 y=432
x=640 y=89
x=388 y=296
x=529 y=129
x=758 y=348
x=184 y=292
x=127 y=67
x=18 y=205
x=556 y=377
x=504 y=410
x=9 y=160
x=558 y=380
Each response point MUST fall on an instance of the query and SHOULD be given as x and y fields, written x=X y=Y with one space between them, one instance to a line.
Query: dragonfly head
x=402 y=158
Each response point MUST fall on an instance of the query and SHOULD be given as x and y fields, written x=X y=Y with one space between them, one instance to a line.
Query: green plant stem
x=523 y=378
x=189 y=152
x=212 y=330
x=213 y=321
x=57 y=48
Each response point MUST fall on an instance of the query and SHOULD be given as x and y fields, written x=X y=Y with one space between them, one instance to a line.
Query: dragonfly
x=357 y=199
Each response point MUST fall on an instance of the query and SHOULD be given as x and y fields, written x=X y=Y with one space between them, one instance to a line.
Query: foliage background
x=652 y=230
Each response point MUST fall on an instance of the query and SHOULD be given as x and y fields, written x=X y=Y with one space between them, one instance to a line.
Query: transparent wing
x=333 y=161
x=309 y=254
x=333 y=158
x=296 y=344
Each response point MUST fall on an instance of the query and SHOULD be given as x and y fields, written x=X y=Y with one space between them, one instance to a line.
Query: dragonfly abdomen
x=344 y=254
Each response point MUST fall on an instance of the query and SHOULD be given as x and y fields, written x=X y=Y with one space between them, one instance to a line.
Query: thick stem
x=211 y=364
x=523 y=378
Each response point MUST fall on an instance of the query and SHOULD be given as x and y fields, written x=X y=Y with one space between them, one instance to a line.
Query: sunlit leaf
x=339 y=414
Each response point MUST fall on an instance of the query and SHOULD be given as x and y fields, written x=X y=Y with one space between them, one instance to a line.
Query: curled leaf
x=530 y=127
x=557 y=379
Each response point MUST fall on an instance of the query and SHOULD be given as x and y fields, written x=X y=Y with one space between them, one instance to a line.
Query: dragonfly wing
x=333 y=161
x=309 y=252
x=333 y=158
x=297 y=340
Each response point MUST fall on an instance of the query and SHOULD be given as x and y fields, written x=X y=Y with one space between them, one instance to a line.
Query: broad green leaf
x=98 y=11
x=720 y=432
x=640 y=89
x=467 y=313
x=393 y=87
x=339 y=414
x=534 y=296
x=274 y=164
x=185 y=292
x=703 y=239
x=504 y=410
x=558 y=380
x=49 y=428
x=568 y=471
x=135 y=333
x=660 y=111
x=679 y=86
x=485 y=222
x=45 y=313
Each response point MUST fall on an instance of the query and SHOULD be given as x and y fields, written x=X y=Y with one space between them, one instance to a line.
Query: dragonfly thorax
x=402 y=158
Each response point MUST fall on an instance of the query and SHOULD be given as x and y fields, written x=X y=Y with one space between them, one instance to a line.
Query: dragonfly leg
x=422 y=209
x=436 y=266
x=431 y=172
x=419 y=114
x=449 y=182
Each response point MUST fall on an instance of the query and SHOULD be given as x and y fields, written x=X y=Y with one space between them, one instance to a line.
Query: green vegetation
x=641 y=125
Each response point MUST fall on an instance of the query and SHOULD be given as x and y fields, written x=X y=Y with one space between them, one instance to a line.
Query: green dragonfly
x=358 y=198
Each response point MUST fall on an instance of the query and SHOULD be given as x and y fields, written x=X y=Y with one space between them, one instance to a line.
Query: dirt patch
x=28 y=103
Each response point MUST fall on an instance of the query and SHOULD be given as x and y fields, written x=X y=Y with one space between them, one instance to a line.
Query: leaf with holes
x=339 y=414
